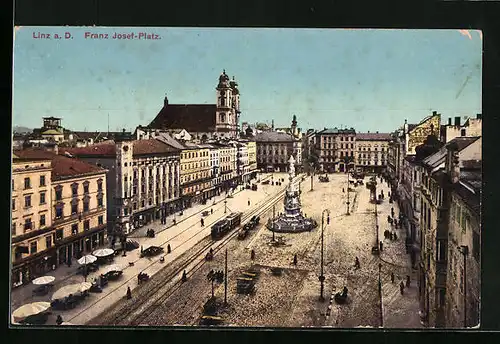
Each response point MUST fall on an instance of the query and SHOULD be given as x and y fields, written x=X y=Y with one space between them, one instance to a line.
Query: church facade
x=205 y=121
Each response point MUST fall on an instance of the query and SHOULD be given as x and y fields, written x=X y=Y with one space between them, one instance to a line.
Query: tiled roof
x=273 y=136
x=62 y=167
x=96 y=150
x=437 y=158
x=166 y=138
x=373 y=136
x=192 y=117
x=152 y=146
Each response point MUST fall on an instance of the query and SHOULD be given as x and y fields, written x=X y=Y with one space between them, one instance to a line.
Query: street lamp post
x=322 y=276
x=464 y=250
x=225 y=205
x=380 y=295
x=312 y=176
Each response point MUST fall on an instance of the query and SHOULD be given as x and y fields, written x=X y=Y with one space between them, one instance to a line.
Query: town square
x=161 y=190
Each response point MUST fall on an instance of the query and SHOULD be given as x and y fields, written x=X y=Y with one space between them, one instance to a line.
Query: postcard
x=246 y=177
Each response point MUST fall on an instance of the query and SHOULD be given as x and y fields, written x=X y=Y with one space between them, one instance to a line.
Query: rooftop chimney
x=449 y=121
x=479 y=116
x=434 y=113
x=452 y=166
x=165 y=101
x=457 y=121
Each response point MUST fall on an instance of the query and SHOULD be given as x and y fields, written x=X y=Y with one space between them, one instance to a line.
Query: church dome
x=223 y=78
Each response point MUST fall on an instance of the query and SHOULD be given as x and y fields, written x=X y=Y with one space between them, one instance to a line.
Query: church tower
x=225 y=121
x=293 y=127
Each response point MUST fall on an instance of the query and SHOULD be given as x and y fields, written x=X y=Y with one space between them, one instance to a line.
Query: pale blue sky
x=366 y=79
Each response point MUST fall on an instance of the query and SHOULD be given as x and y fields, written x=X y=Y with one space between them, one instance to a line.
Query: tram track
x=135 y=314
x=198 y=259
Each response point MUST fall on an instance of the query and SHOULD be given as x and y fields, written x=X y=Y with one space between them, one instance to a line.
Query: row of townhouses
x=435 y=172
x=58 y=211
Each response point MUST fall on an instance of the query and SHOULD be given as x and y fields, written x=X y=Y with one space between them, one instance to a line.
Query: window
x=27 y=201
x=86 y=188
x=442 y=295
x=42 y=220
x=59 y=234
x=74 y=208
x=441 y=251
x=59 y=211
x=476 y=246
x=100 y=219
x=86 y=225
x=99 y=201
x=33 y=247
x=27 y=183
x=58 y=193
x=99 y=183
x=13 y=204
x=27 y=224
x=86 y=205
x=74 y=190
x=462 y=132
x=125 y=212
x=143 y=204
x=42 y=180
x=12 y=184
x=135 y=206
x=13 y=228
x=74 y=229
x=42 y=197
x=48 y=241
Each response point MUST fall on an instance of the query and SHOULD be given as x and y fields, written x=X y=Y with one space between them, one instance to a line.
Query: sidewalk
x=189 y=212
x=400 y=311
x=181 y=237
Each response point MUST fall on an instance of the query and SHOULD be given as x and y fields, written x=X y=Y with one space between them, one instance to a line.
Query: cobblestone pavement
x=400 y=311
x=292 y=299
x=181 y=237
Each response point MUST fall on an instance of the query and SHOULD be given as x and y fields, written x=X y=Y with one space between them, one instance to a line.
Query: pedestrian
x=402 y=287
x=211 y=211
x=295 y=260
x=395 y=236
x=184 y=276
x=249 y=202
x=129 y=293
x=408 y=281
x=381 y=246
x=343 y=190
x=357 y=265
x=59 y=320
x=252 y=255
x=392 y=236
x=202 y=223
x=169 y=249
x=392 y=277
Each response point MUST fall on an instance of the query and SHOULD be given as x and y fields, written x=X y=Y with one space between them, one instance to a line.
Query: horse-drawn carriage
x=245 y=285
x=142 y=277
x=341 y=297
x=324 y=179
x=151 y=251
x=242 y=234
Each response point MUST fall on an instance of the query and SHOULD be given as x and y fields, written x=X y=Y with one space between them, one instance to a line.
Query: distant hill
x=21 y=130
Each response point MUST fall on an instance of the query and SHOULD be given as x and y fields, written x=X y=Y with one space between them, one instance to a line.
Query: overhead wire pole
x=347 y=169
x=225 y=278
